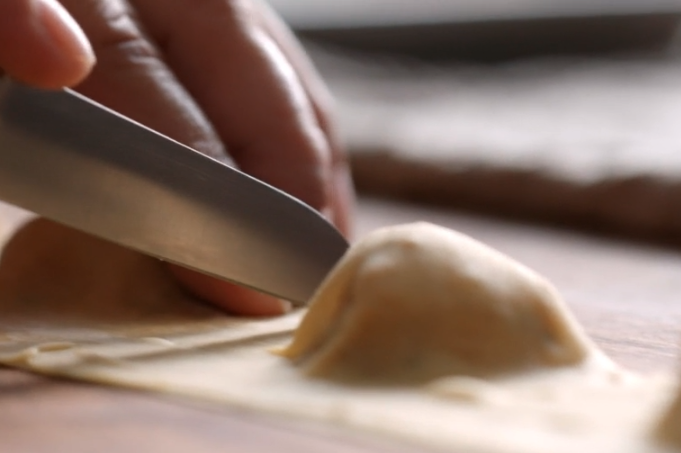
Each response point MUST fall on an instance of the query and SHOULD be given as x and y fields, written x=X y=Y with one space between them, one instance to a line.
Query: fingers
x=40 y=44
x=233 y=298
x=340 y=184
x=207 y=73
x=248 y=89
x=132 y=77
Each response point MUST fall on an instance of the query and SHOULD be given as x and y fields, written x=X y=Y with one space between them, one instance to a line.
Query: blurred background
x=560 y=111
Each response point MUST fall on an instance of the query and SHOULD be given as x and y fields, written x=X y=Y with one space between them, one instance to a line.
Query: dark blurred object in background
x=486 y=31
x=575 y=122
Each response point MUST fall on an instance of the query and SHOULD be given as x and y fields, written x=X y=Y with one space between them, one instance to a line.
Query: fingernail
x=343 y=199
x=286 y=306
x=63 y=32
x=327 y=213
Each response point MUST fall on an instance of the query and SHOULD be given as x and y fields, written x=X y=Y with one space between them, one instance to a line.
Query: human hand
x=225 y=77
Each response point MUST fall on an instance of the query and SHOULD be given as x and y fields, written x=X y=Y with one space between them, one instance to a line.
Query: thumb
x=42 y=45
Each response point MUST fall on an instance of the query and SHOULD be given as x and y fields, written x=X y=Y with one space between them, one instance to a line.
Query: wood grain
x=627 y=297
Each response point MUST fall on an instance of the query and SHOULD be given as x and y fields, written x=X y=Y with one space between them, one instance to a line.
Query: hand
x=225 y=77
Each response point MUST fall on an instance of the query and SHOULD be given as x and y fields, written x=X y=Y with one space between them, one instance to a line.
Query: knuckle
x=113 y=30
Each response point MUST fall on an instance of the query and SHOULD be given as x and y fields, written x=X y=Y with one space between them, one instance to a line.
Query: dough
x=419 y=333
x=416 y=302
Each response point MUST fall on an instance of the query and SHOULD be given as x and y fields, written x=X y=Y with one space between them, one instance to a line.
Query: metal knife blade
x=74 y=161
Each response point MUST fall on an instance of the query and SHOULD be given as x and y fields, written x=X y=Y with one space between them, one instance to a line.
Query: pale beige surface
x=412 y=303
x=185 y=348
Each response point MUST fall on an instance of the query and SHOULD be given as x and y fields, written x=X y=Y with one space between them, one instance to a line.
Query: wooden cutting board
x=627 y=296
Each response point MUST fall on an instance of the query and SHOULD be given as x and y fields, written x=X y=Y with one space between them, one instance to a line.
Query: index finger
x=41 y=44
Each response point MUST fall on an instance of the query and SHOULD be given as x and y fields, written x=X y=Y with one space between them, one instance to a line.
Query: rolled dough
x=419 y=332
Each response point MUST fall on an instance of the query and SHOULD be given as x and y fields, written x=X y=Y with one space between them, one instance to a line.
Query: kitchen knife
x=74 y=161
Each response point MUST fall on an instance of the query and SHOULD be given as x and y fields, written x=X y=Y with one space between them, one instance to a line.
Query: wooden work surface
x=627 y=296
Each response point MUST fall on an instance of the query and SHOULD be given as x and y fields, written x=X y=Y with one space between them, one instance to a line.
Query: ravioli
x=419 y=333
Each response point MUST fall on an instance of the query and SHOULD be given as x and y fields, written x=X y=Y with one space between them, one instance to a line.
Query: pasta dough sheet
x=72 y=305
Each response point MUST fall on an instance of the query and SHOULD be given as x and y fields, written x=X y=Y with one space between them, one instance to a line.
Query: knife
x=81 y=164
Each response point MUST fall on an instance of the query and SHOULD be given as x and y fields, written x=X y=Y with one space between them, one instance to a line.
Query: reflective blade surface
x=74 y=161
